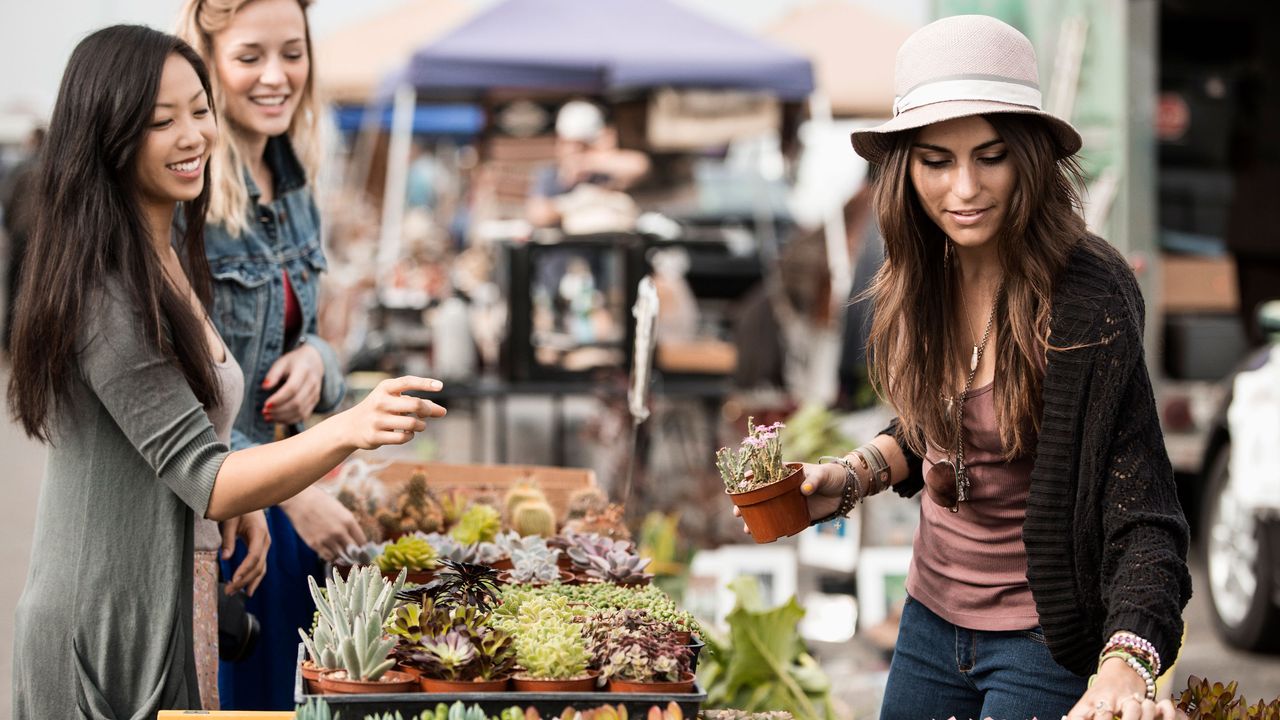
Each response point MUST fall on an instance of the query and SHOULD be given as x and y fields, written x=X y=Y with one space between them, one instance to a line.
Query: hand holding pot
x=821 y=487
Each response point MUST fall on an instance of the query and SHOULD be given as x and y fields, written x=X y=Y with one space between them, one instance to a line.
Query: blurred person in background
x=118 y=368
x=1008 y=339
x=263 y=244
x=17 y=199
x=587 y=153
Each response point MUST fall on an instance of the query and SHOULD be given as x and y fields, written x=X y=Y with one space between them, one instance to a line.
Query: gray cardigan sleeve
x=150 y=401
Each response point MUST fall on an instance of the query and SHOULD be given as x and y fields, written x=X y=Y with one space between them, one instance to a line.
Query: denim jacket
x=248 y=290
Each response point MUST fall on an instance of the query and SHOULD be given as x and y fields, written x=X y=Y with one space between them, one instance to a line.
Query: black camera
x=238 y=629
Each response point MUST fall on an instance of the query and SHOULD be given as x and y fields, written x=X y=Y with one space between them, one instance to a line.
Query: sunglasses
x=947 y=484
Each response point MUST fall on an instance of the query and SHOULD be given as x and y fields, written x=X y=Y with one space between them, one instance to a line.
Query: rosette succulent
x=480 y=523
x=411 y=552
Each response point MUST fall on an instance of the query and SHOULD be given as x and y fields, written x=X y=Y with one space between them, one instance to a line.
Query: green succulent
x=548 y=643
x=353 y=611
x=411 y=552
x=315 y=709
x=534 y=518
x=480 y=523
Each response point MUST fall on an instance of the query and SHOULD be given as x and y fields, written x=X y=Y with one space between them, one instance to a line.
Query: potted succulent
x=480 y=523
x=601 y=558
x=413 y=553
x=354 y=610
x=609 y=522
x=766 y=491
x=414 y=509
x=551 y=648
x=458 y=584
x=534 y=563
x=635 y=654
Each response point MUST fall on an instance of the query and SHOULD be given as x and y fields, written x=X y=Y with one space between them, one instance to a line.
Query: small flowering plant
x=757 y=461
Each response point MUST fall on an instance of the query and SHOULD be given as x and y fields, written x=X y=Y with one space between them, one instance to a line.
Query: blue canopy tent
x=601 y=47
x=593 y=47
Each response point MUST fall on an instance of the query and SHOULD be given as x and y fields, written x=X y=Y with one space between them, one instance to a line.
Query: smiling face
x=262 y=62
x=963 y=178
x=172 y=159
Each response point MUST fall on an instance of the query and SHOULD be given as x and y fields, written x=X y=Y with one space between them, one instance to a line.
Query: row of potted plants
x=461 y=632
x=318 y=709
x=568 y=557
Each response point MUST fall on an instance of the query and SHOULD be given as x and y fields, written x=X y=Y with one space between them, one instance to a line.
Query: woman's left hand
x=252 y=527
x=300 y=375
x=1119 y=692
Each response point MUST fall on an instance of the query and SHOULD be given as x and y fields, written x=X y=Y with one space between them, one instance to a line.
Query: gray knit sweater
x=103 y=629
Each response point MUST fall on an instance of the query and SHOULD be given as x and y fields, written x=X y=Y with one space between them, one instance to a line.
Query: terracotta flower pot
x=335 y=682
x=564 y=562
x=683 y=636
x=432 y=685
x=409 y=670
x=502 y=564
x=413 y=577
x=775 y=510
x=524 y=683
x=683 y=685
x=311 y=676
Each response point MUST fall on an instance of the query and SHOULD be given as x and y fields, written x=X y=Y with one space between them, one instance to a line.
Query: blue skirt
x=282 y=604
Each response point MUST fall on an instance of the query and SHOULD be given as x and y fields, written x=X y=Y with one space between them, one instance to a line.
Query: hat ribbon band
x=1014 y=93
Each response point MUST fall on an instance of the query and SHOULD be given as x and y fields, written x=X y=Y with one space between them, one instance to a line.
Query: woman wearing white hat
x=1008 y=338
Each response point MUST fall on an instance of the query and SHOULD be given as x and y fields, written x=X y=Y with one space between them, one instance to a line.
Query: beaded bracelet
x=1136 y=645
x=850 y=494
x=1138 y=665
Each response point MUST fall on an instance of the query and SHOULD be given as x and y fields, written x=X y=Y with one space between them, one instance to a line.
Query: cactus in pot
x=534 y=518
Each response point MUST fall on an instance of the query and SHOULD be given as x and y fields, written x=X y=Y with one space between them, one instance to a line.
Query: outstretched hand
x=390 y=417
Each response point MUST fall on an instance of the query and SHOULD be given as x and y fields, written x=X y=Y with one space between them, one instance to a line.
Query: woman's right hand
x=822 y=487
x=388 y=416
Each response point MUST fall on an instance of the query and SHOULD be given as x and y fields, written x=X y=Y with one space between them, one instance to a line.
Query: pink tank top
x=970 y=567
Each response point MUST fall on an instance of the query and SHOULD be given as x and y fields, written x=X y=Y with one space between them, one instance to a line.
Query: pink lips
x=968 y=217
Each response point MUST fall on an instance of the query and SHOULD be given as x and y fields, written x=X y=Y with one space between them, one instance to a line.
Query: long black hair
x=90 y=226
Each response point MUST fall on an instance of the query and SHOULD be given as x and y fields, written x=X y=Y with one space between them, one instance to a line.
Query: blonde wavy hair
x=199 y=22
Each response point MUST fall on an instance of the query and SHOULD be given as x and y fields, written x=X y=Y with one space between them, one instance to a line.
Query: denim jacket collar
x=286 y=170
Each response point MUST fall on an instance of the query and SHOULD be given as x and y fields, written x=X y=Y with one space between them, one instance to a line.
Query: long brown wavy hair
x=89 y=227
x=913 y=351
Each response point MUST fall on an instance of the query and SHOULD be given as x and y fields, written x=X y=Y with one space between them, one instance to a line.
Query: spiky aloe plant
x=352 y=614
x=315 y=709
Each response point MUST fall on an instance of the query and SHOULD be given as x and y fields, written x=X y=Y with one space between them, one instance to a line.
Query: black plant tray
x=548 y=705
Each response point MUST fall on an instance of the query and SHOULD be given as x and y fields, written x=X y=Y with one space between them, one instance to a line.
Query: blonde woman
x=263 y=244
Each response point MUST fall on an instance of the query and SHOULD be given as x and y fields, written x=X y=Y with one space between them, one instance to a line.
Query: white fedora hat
x=958 y=67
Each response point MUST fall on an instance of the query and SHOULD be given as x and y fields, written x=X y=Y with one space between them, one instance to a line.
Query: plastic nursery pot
x=524 y=683
x=335 y=682
x=683 y=685
x=695 y=649
x=311 y=676
x=775 y=510
x=431 y=685
x=684 y=637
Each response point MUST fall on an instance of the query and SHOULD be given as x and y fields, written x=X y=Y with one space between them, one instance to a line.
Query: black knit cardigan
x=1105 y=536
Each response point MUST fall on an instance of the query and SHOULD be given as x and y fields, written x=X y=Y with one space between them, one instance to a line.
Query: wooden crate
x=557 y=483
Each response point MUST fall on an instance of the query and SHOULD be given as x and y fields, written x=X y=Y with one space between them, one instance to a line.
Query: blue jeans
x=941 y=671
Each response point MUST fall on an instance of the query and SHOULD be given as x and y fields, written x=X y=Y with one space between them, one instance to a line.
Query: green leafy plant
x=411 y=552
x=812 y=432
x=756 y=463
x=480 y=523
x=762 y=665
